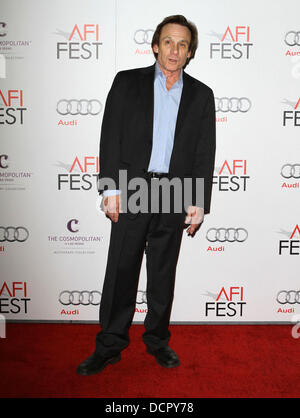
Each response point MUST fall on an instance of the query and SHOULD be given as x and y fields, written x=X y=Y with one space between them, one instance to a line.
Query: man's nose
x=175 y=50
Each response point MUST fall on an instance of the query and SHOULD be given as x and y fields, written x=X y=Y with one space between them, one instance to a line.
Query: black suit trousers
x=159 y=236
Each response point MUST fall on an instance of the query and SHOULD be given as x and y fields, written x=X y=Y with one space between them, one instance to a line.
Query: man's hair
x=179 y=20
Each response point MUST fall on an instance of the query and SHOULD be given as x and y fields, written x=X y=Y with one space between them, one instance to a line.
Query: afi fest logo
x=12 y=107
x=232 y=176
x=291 y=117
x=82 y=174
x=292 y=245
x=13 y=298
x=234 y=43
x=82 y=43
x=231 y=304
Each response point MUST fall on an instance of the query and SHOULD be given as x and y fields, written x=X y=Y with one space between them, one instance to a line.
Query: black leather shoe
x=165 y=357
x=95 y=364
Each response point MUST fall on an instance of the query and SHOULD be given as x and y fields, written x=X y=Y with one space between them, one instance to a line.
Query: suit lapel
x=185 y=103
x=147 y=98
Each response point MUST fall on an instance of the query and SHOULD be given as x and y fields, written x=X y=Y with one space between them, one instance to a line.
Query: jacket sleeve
x=110 y=138
x=205 y=154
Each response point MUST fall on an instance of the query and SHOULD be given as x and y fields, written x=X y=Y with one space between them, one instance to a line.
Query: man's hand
x=195 y=216
x=112 y=207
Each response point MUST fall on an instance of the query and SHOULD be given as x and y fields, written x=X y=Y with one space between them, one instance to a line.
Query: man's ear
x=155 y=48
x=189 y=54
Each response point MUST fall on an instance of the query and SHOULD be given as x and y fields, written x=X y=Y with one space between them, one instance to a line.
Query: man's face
x=173 y=48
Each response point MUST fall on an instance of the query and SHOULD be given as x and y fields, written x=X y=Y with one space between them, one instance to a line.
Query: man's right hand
x=112 y=207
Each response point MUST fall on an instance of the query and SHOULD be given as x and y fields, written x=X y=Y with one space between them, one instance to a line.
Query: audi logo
x=76 y=297
x=93 y=297
x=142 y=36
x=288 y=296
x=232 y=104
x=292 y=38
x=79 y=107
x=227 y=234
x=289 y=171
x=12 y=234
x=141 y=297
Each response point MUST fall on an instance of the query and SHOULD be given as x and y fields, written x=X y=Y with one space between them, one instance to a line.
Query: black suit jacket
x=127 y=129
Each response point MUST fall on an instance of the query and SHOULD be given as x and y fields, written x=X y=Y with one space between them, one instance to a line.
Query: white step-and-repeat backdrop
x=57 y=62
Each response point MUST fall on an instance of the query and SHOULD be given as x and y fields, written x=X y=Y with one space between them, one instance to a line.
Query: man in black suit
x=158 y=123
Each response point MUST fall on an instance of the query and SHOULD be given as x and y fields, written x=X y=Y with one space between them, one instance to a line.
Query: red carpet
x=39 y=360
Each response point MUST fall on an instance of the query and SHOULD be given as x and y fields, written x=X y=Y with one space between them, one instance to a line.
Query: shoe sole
x=167 y=366
x=112 y=360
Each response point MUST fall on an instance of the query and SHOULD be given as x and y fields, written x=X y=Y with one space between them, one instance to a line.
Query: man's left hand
x=195 y=216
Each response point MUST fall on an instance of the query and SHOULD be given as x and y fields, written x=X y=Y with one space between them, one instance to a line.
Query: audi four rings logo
x=227 y=234
x=77 y=297
x=12 y=234
x=232 y=104
x=79 y=107
x=288 y=296
x=142 y=36
x=292 y=38
x=289 y=171
x=93 y=297
x=141 y=297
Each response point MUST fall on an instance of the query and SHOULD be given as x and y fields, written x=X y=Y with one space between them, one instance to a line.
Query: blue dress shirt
x=166 y=104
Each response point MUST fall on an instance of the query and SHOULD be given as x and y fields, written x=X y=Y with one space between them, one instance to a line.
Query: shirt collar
x=159 y=73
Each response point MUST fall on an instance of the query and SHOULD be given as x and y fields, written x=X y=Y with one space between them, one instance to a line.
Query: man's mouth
x=173 y=61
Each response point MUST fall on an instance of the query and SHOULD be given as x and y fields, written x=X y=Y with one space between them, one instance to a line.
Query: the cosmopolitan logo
x=290 y=246
x=82 y=174
x=3 y=29
x=230 y=105
x=12 y=107
x=82 y=43
x=231 y=176
x=221 y=236
x=9 y=177
x=234 y=43
x=142 y=39
x=74 y=242
x=292 y=40
x=14 y=298
x=12 y=48
x=291 y=117
x=291 y=174
x=229 y=302
x=78 y=108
